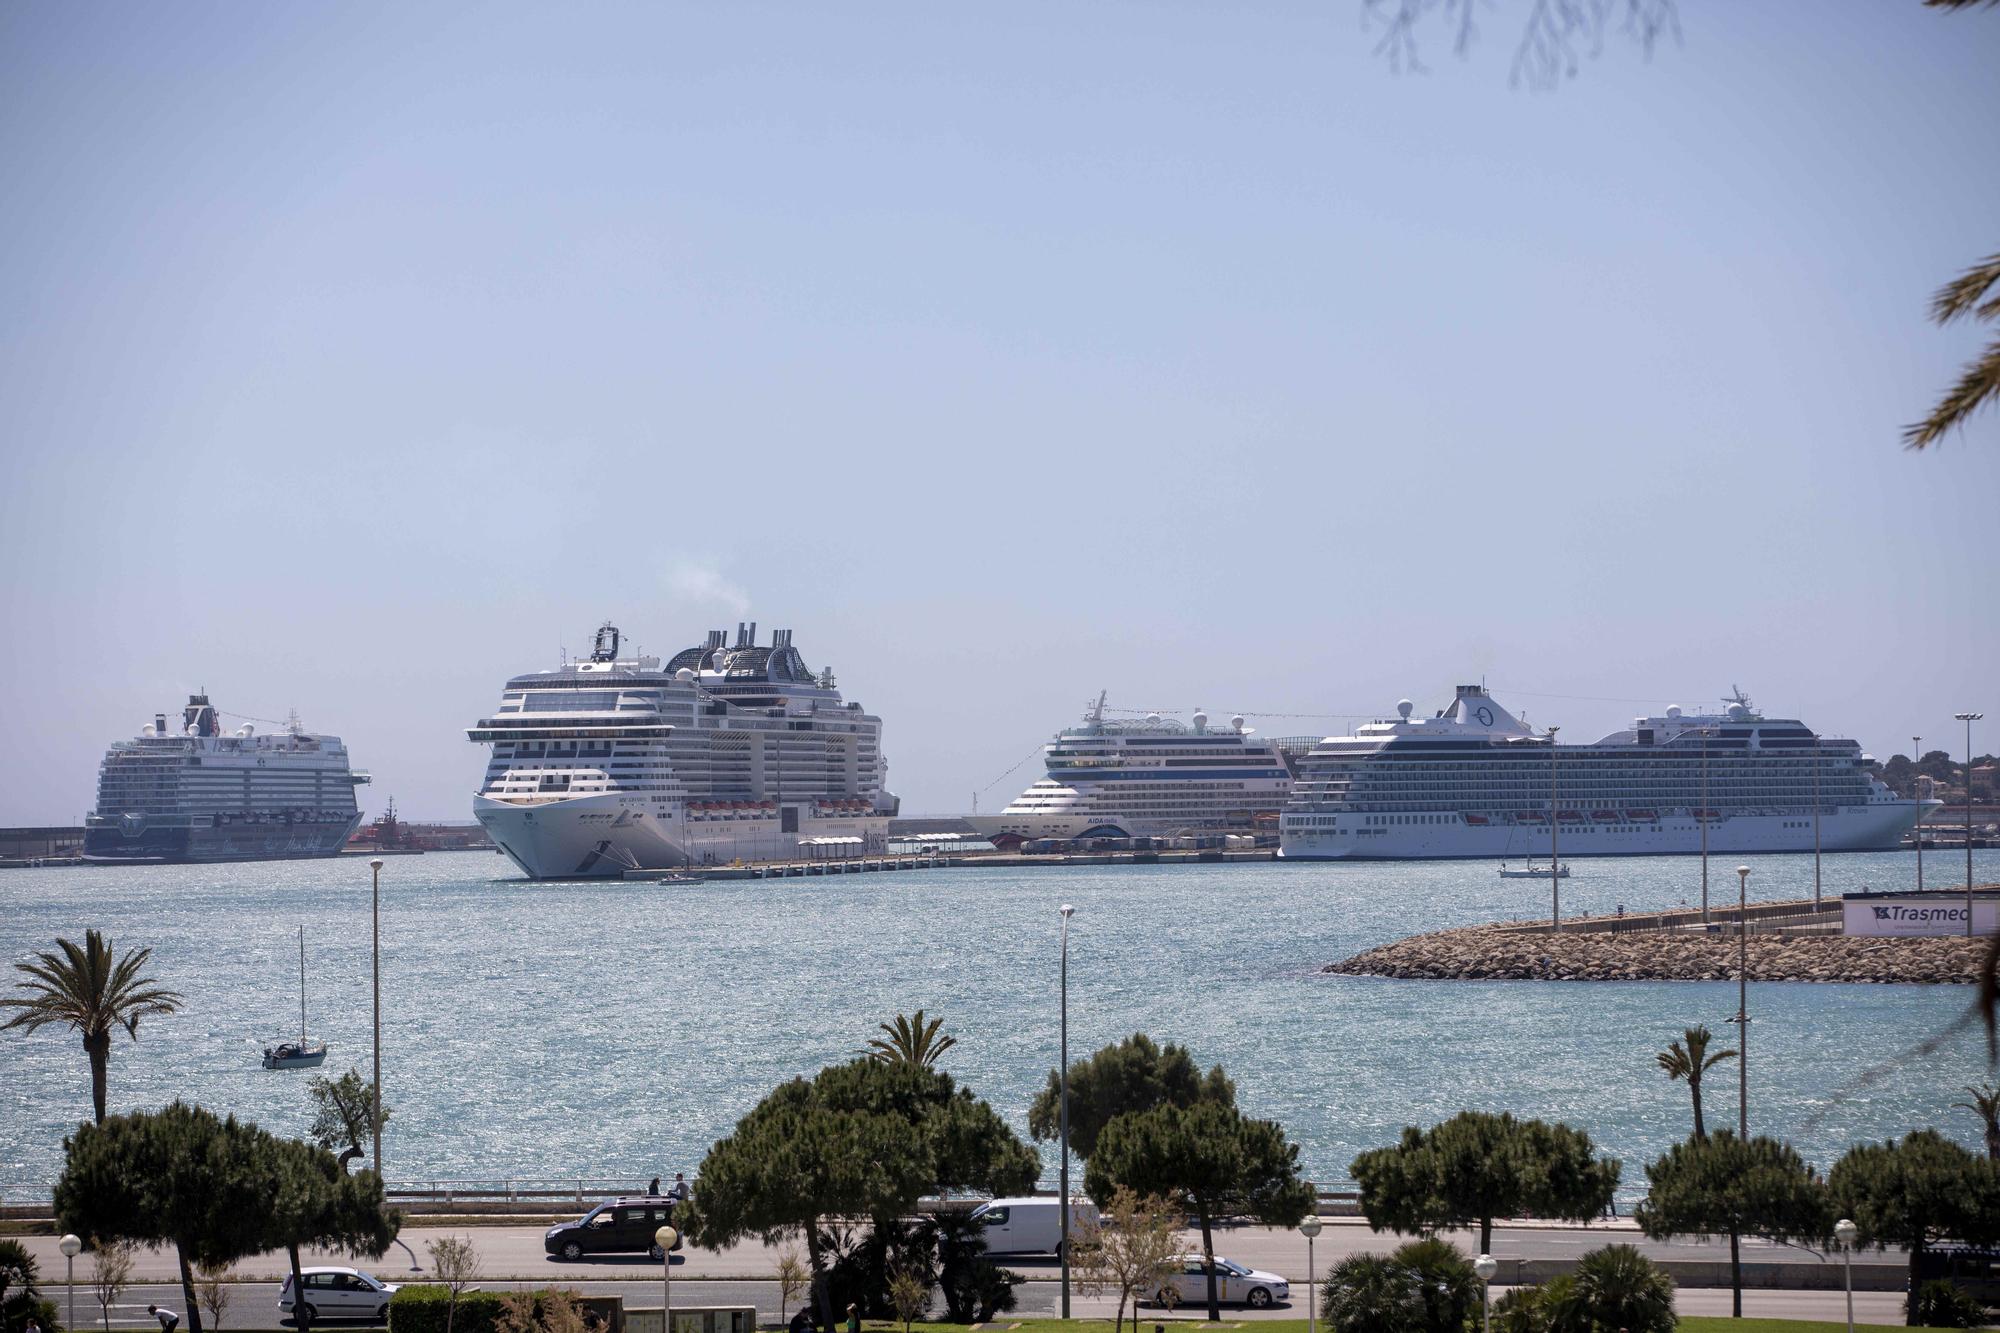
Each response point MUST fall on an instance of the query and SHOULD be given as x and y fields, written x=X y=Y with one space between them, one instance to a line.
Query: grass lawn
x=1705 y=1323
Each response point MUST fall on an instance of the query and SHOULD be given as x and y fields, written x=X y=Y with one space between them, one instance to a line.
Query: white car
x=341 y=1293
x=1234 y=1285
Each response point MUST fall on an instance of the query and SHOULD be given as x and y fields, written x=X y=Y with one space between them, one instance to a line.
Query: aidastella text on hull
x=727 y=752
x=1474 y=781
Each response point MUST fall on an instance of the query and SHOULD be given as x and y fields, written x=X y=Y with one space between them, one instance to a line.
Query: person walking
x=169 y=1321
x=853 y=1319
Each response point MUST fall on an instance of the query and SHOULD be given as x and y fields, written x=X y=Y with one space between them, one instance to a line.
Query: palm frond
x=911 y=1040
x=1961 y=296
x=1976 y=388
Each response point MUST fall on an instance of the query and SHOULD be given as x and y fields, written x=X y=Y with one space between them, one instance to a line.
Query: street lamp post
x=1743 y=1004
x=1485 y=1267
x=1310 y=1228
x=1845 y=1231
x=1701 y=817
x=375 y=865
x=665 y=1238
x=1916 y=756
x=1968 y=719
x=71 y=1245
x=1815 y=764
x=1555 y=861
x=1063 y=1183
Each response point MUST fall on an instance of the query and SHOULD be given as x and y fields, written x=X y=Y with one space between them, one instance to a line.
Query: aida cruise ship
x=1151 y=776
x=731 y=751
x=1475 y=781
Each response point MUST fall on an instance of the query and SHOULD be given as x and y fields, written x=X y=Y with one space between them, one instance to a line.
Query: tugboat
x=300 y=1054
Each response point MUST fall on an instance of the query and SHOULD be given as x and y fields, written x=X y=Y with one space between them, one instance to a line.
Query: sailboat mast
x=302 y=988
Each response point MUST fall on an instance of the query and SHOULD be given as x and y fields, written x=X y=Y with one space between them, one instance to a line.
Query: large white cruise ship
x=1151 y=776
x=728 y=752
x=192 y=793
x=1475 y=781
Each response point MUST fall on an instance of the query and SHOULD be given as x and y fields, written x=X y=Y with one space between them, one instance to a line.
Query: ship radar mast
x=1094 y=713
x=605 y=649
x=1736 y=698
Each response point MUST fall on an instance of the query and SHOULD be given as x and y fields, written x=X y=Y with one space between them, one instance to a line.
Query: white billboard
x=1918 y=914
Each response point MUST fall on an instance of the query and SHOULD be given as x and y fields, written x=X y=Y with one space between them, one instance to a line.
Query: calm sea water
x=564 y=1030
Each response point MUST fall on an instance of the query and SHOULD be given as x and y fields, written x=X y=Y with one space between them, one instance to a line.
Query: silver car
x=341 y=1293
x=1234 y=1284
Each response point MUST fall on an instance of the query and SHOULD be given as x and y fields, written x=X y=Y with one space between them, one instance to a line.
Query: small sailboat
x=300 y=1054
x=1533 y=871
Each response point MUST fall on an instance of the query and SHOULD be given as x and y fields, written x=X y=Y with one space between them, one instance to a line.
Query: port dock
x=857 y=865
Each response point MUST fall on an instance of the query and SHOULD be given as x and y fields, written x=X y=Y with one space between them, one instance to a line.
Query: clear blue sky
x=358 y=356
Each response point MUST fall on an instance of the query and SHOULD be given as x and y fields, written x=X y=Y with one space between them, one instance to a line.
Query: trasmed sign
x=1918 y=914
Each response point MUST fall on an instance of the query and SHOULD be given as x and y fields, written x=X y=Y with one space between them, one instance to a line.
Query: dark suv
x=616 y=1226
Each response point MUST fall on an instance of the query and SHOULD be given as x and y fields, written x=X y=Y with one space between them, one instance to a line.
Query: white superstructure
x=1150 y=776
x=194 y=792
x=728 y=752
x=1476 y=781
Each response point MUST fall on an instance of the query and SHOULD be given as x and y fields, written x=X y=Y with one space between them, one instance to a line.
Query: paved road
x=255 y=1304
x=513 y=1255
x=515 y=1252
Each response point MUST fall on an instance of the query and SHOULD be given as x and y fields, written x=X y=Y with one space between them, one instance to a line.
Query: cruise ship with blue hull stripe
x=1474 y=781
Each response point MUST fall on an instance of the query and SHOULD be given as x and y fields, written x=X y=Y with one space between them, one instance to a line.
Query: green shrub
x=1370 y=1293
x=424 y=1307
x=1426 y=1286
x=1520 y=1311
x=1447 y=1288
x=20 y=1291
x=1942 y=1304
x=1621 y=1288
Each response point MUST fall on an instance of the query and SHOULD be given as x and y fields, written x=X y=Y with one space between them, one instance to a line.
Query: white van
x=1030 y=1226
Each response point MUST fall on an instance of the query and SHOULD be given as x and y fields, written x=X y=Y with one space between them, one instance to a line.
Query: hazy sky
x=356 y=357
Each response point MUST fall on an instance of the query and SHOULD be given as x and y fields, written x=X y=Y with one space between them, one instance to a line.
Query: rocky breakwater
x=1512 y=953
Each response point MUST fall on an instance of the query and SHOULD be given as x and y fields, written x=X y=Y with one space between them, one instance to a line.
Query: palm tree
x=911 y=1041
x=1985 y=1104
x=85 y=989
x=1688 y=1058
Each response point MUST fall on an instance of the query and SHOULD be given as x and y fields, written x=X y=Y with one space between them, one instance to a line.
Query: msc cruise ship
x=195 y=794
x=1475 y=781
x=1154 y=776
x=730 y=751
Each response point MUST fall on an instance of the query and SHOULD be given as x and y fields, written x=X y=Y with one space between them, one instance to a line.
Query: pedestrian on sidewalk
x=33 y=1325
x=169 y=1321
